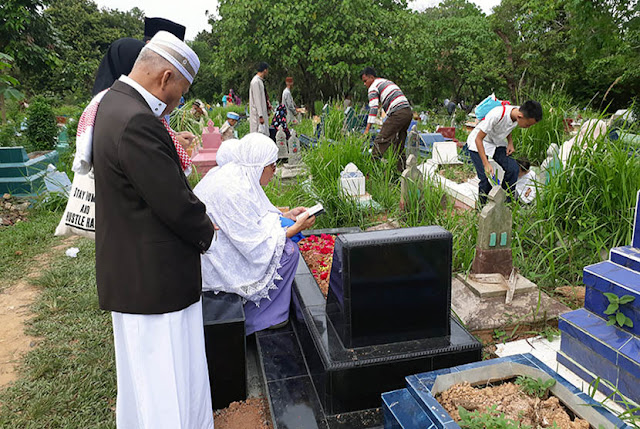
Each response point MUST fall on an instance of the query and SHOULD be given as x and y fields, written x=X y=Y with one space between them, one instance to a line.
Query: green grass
x=21 y=242
x=68 y=380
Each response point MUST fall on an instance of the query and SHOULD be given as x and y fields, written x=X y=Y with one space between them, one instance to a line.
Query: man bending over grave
x=254 y=255
x=386 y=94
x=492 y=138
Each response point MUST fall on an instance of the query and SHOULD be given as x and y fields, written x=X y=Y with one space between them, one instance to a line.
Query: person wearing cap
x=122 y=53
x=259 y=102
x=150 y=232
x=227 y=130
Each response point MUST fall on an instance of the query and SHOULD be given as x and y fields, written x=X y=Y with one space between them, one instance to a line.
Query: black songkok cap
x=153 y=25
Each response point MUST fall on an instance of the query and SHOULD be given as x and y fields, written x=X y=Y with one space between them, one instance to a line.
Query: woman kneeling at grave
x=253 y=256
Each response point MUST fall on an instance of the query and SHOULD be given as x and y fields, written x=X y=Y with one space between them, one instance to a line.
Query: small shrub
x=41 y=125
x=534 y=387
x=488 y=419
x=613 y=310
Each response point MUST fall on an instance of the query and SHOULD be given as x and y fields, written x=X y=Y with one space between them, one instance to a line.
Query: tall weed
x=582 y=212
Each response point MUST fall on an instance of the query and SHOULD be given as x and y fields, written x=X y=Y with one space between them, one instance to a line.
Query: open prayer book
x=316 y=210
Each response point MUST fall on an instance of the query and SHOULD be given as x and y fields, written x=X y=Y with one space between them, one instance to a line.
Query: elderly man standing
x=259 y=102
x=150 y=232
x=386 y=94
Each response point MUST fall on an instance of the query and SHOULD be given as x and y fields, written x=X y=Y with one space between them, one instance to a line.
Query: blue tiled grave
x=21 y=175
x=591 y=348
x=347 y=381
x=416 y=407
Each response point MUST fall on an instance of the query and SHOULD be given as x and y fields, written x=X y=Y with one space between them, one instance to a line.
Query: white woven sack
x=79 y=215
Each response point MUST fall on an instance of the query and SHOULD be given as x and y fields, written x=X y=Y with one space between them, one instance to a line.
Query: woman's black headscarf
x=118 y=60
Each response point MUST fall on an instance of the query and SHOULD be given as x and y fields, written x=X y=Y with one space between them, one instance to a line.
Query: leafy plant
x=613 y=310
x=41 y=125
x=490 y=418
x=500 y=335
x=535 y=387
x=7 y=84
x=550 y=333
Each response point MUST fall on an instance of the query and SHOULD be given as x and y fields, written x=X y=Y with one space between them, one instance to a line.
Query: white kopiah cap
x=176 y=52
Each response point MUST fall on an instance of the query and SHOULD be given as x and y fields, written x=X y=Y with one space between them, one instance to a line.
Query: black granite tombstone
x=391 y=286
x=383 y=276
x=225 y=345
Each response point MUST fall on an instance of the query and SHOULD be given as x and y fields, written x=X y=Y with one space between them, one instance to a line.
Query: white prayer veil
x=227 y=151
x=245 y=258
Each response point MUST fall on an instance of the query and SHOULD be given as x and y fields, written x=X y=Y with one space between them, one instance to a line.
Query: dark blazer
x=150 y=227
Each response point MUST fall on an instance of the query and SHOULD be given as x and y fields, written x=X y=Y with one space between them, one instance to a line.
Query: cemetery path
x=15 y=311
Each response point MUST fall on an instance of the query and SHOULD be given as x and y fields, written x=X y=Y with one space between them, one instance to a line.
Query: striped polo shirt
x=386 y=93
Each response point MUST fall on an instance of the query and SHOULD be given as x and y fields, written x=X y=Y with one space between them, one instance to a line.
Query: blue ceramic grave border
x=416 y=406
x=588 y=346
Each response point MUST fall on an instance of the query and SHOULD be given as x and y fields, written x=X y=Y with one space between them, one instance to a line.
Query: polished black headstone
x=225 y=345
x=390 y=286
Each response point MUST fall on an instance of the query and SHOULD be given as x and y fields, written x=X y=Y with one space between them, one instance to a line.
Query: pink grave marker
x=205 y=159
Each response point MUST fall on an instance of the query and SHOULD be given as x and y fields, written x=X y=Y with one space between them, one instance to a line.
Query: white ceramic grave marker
x=445 y=153
x=352 y=181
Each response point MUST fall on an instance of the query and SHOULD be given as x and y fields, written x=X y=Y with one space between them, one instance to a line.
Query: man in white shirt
x=259 y=102
x=492 y=138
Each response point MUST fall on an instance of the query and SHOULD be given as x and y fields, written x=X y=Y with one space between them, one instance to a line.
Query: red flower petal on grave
x=314 y=271
x=324 y=275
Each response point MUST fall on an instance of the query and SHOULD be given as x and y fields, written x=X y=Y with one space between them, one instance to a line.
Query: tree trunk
x=511 y=82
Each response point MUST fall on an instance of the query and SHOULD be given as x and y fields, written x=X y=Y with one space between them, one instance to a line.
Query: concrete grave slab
x=490 y=285
x=490 y=313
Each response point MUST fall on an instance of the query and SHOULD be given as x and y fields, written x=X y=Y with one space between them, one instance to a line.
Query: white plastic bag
x=79 y=215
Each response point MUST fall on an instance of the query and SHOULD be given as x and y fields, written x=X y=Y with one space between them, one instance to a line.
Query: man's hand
x=261 y=120
x=488 y=170
x=366 y=129
x=185 y=138
x=510 y=148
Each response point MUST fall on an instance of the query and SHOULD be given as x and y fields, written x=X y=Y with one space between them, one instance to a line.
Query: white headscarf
x=245 y=258
x=227 y=151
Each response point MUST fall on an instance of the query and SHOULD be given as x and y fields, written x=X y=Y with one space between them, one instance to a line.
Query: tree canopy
x=453 y=50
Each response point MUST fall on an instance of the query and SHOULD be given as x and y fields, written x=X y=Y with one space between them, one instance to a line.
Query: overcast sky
x=192 y=13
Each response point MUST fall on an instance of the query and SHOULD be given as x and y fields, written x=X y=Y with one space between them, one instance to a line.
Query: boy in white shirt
x=492 y=138
x=526 y=184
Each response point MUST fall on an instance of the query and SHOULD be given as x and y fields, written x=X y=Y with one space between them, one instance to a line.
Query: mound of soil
x=317 y=252
x=513 y=402
x=252 y=413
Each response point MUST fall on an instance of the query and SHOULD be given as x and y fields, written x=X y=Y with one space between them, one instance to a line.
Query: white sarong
x=162 y=372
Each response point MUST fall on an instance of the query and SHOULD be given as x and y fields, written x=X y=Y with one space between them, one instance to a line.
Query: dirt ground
x=573 y=296
x=511 y=401
x=15 y=311
x=252 y=413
